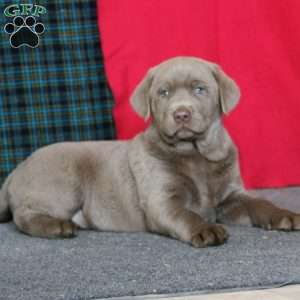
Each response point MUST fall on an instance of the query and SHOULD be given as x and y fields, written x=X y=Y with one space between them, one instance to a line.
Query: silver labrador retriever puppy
x=179 y=177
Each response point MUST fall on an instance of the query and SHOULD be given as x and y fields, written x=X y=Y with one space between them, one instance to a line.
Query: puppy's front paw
x=284 y=220
x=209 y=235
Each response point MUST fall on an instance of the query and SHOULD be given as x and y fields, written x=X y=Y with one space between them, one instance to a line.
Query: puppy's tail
x=5 y=213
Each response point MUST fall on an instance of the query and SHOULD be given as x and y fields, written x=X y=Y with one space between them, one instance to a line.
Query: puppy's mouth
x=185 y=133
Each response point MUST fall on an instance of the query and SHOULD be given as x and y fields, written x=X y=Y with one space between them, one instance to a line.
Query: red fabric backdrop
x=257 y=42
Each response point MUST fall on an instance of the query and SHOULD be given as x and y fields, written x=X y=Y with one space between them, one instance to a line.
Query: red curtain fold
x=256 y=42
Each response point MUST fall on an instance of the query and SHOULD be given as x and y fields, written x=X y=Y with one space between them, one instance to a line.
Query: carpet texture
x=100 y=265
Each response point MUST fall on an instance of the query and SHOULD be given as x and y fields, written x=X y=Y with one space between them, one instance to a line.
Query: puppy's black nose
x=182 y=115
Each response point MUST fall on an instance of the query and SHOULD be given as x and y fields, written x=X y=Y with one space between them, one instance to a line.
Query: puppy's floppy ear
x=229 y=92
x=140 y=98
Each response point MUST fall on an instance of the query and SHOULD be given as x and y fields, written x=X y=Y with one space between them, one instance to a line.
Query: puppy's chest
x=208 y=181
x=205 y=175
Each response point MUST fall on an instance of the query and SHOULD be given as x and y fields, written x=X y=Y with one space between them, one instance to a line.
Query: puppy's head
x=184 y=96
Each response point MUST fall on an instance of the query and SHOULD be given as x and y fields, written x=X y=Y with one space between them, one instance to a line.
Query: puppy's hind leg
x=38 y=224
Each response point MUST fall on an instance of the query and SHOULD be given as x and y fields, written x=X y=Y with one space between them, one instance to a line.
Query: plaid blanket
x=52 y=82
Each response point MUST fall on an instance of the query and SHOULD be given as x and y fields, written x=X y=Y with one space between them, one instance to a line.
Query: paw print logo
x=24 y=32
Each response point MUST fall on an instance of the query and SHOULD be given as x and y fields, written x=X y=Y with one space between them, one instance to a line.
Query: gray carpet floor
x=100 y=265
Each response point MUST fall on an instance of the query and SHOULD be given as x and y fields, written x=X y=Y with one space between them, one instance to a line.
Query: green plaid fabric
x=56 y=91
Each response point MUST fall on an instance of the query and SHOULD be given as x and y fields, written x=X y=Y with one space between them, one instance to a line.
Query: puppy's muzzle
x=182 y=115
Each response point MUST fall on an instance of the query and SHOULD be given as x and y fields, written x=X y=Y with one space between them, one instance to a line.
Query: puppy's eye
x=163 y=92
x=199 y=90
